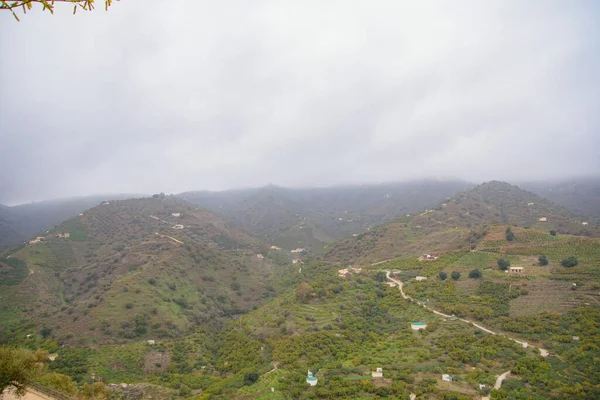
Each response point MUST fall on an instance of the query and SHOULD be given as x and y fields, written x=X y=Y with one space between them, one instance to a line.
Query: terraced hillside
x=456 y=224
x=152 y=267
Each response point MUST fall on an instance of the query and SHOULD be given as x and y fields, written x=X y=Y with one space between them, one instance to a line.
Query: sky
x=171 y=96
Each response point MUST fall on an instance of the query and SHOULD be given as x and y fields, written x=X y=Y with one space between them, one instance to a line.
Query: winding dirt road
x=543 y=352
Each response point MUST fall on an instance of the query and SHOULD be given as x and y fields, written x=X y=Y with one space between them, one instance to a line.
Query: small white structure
x=421 y=278
x=296 y=261
x=298 y=250
x=417 y=326
x=275 y=248
x=543 y=219
x=584 y=223
x=63 y=235
x=575 y=337
x=151 y=342
x=105 y=203
x=29 y=336
x=311 y=379
x=36 y=240
x=260 y=256
x=52 y=357
x=482 y=386
x=525 y=345
x=178 y=226
x=176 y=214
x=378 y=373
x=412 y=396
x=446 y=378
x=530 y=204
x=391 y=284
x=515 y=270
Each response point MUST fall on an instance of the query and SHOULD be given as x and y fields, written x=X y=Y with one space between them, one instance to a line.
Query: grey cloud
x=234 y=94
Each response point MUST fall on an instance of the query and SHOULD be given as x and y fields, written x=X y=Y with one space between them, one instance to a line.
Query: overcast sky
x=185 y=95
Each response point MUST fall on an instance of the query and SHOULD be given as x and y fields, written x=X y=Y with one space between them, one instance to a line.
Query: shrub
x=510 y=236
x=553 y=232
x=475 y=274
x=569 y=262
x=503 y=264
x=380 y=277
x=129 y=306
x=152 y=281
x=250 y=378
x=443 y=275
x=543 y=260
x=455 y=275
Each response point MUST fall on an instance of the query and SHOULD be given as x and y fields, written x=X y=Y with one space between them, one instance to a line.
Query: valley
x=168 y=298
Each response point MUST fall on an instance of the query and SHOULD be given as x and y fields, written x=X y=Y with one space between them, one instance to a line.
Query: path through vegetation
x=543 y=352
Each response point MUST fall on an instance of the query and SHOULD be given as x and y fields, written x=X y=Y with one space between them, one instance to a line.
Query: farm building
x=530 y=204
x=260 y=256
x=421 y=278
x=63 y=235
x=311 y=380
x=275 y=248
x=36 y=240
x=176 y=214
x=584 y=223
x=417 y=326
x=543 y=219
x=427 y=257
x=446 y=378
x=298 y=250
x=378 y=373
x=178 y=226
x=515 y=270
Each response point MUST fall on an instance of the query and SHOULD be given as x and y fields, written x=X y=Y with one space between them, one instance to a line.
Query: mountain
x=17 y=223
x=580 y=195
x=311 y=218
x=152 y=267
x=456 y=223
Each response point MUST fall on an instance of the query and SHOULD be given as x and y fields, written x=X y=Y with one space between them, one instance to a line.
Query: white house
x=543 y=219
x=298 y=250
x=421 y=278
x=176 y=214
x=378 y=373
x=515 y=270
x=151 y=342
x=530 y=204
x=584 y=223
x=178 y=226
x=446 y=378
x=260 y=256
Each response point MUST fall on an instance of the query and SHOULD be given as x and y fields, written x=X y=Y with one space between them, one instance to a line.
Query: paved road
x=543 y=352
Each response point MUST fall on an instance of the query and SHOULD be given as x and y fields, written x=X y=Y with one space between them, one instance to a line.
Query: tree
x=455 y=275
x=569 y=262
x=553 y=232
x=543 y=260
x=443 y=275
x=503 y=264
x=250 y=378
x=510 y=236
x=380 y=276
x=304 y=290
x=18 y=368
x=475 y=274
x=26 y=5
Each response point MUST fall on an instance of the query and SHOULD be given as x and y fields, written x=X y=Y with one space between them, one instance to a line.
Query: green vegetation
x=510 y=236
x=543 y=260
x=12 y=271
x=503 y=264
x=475 y=274
x=569 y=262
x=455 y=275
x=443 y=276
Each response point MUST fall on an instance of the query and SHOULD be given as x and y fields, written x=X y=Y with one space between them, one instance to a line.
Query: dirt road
x=543 y=352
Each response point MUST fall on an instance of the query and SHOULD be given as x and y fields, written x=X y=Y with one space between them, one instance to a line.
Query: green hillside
x=311 y=218
x=456 y=224
x=126 y=272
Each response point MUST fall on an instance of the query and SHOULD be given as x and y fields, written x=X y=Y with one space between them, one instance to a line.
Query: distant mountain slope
x=580 y=195
x=310 y=218
x=20 y=222
x=153 y=267
x=456 y=223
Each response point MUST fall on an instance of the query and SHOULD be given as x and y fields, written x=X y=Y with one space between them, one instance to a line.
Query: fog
x=172 y=96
